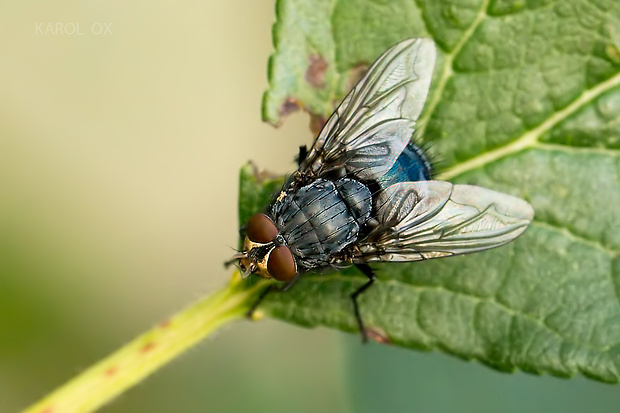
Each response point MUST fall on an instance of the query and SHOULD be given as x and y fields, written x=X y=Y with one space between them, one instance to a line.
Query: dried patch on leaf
x=377 y=335
x=262 y=175
x=289 y=106
x=355 y=74
x=316 y=123
x=613 y=53
x=315 y=74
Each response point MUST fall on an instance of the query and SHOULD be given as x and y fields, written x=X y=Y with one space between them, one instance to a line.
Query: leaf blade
x=524 y=101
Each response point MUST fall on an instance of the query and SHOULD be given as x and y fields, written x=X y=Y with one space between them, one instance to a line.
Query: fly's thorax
x=266 y=252
x=321 y=219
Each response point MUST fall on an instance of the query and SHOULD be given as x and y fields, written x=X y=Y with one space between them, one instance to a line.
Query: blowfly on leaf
x=364 y=192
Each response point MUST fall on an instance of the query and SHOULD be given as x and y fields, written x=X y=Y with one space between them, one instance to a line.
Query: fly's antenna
x=234 y=258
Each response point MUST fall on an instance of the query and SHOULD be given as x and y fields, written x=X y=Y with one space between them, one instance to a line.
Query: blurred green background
x=119 y=157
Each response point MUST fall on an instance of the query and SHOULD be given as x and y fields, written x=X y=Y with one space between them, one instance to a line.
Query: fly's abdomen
x=322 y=218
x=412 y=165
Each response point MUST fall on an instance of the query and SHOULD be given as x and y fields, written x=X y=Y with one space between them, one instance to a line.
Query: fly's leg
x=368 y=272
x=303 y=153
x=272 y=288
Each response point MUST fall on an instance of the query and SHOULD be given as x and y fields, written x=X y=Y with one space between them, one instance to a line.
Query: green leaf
x=256 y=188
x=525 y=100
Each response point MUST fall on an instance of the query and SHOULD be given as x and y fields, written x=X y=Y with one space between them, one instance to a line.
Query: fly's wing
x=432 y=219
x=376 y=120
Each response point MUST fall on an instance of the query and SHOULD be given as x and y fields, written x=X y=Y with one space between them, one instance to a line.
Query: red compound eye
x=261 y=229
x=281 y=264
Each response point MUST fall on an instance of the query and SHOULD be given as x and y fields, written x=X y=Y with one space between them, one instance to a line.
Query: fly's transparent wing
x=431 y=219
x=376 y=120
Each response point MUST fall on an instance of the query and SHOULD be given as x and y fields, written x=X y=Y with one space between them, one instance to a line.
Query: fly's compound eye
x=281 y=264
x=261 y=229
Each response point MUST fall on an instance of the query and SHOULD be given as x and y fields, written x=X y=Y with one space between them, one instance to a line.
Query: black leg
x=273 y=288
x=368 y=272
x=303 y=153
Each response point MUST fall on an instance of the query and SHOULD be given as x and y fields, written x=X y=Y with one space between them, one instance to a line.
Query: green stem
x=130 y=364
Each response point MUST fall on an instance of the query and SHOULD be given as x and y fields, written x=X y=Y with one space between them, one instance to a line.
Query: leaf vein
x=531 y=138
x=447 y=68
x=578 y=149
x=577 y=237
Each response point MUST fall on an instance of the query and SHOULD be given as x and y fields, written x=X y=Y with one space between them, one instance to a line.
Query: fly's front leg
x=272 y=288
x=303 y=154
x=368 y=272
x=243 y=231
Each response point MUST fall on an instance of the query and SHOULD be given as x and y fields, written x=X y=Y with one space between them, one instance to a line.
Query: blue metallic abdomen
x=322 y=218
x=412 y=165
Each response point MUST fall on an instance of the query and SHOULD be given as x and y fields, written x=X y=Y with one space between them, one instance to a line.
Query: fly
x=364 y=193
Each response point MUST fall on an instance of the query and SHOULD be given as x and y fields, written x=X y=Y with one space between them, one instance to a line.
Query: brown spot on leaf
x=377 y=335
x=613 y=53
x=316 y=123
x=164 y=324
x=47 y=410
x=289 y=106
x=147 y=347
x=315 y=74
x=355 y=74
x=263 y=174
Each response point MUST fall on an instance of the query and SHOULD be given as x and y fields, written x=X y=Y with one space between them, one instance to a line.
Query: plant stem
x=130 y=364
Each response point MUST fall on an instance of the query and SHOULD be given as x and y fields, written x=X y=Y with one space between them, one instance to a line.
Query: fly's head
x=265 y=252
